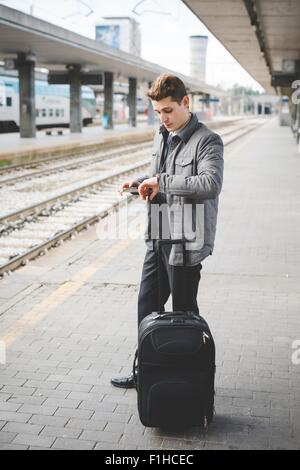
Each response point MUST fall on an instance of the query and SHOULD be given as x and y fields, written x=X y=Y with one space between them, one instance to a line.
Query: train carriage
x=52 y=104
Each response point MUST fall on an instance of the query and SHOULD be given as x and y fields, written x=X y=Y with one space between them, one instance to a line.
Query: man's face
x=171 y=114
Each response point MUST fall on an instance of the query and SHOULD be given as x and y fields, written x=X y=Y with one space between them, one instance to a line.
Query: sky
x=165 y=27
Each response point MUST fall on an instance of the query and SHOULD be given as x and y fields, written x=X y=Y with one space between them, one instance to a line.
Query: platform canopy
x=262 y=35
x=54 y=47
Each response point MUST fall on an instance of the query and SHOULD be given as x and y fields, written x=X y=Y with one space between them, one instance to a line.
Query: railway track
x=47 y=167
x=32 y=230
x=37 y=168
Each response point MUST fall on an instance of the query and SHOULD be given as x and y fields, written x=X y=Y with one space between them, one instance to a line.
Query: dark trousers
x=180 y=281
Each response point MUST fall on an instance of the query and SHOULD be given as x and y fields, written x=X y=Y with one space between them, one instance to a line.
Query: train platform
x=68 y=322
x=15 y=150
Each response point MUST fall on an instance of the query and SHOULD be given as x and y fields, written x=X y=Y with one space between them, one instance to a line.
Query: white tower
x=198 y=48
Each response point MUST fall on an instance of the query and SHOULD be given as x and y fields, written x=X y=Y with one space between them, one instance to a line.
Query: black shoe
x=124 y=382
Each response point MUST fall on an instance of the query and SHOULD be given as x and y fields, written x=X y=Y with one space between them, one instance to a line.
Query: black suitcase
x=174 y=367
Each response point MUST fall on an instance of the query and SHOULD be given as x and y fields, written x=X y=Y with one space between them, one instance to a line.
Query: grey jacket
x=193 y=168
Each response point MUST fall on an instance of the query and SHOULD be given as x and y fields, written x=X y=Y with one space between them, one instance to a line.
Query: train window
x=2 y=94
x=37 y=112
x=57 y=112
x=62 y=112
x=50 y=112
x=8 y=101
x=44 y=112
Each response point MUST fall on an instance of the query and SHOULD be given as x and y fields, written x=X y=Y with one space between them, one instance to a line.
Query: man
x=187 y=158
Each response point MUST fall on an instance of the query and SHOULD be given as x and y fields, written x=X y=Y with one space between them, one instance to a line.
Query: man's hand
x=150 y=183
x=127 y=184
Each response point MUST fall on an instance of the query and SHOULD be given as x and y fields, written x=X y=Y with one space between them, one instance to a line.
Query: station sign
x=86 y=78
x=283 y=79
x=209 y=100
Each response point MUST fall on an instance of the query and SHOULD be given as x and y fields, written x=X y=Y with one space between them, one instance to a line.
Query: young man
x=187 y=158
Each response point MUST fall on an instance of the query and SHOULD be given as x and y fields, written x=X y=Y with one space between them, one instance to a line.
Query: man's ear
x=186 y=101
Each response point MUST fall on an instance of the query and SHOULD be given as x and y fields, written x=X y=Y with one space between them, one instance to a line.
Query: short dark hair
x=167 y=85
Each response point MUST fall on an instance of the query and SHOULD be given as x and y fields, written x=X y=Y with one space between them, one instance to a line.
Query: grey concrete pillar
x=75 y=98
x=132 y=101
x=202 y=106
x=207 y=98
x=151 y=112
x=109 y=99
x=26 y=96
x=230 y=106
x=192 y=103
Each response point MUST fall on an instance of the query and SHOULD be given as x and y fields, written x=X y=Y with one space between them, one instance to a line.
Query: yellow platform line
x=43 y=308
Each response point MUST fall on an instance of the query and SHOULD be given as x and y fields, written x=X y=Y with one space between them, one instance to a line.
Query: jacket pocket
x=184 y=165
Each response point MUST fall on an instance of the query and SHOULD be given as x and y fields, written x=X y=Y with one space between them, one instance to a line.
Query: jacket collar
x=185 y=133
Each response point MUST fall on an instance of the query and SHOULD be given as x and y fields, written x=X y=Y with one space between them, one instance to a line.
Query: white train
x=52 y=104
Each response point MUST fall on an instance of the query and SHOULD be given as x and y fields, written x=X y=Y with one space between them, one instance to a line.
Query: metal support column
x=192 y=102
x=108 y=99
x=27 y=96
x=75 y=98
x=132 y=101
x=151 y=113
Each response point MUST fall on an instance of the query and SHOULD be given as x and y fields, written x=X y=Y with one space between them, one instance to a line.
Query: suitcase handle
x=159 y=255
x=180 y=193
x=174 y=241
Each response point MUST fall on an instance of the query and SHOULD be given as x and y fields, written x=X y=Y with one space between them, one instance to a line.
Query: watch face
x=288 y=65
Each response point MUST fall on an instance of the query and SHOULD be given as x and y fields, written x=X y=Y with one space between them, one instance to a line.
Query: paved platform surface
x=69 y=322
x=12 y=147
